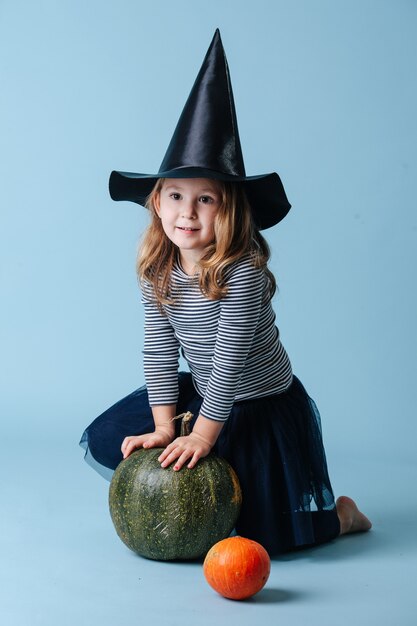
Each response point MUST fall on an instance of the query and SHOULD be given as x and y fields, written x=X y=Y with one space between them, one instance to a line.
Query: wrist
x=168 y=428
x=162 y=417
x=207 y=430
x=200 y=438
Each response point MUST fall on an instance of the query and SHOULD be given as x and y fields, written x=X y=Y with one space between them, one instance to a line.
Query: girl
x=207 y=291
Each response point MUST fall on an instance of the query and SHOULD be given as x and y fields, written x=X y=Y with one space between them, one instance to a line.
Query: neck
x=189 y=263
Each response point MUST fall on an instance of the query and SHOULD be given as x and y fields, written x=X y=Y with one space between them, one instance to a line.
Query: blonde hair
x=235 y=235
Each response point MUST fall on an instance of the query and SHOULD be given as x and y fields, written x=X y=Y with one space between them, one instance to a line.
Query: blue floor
x=62 y=562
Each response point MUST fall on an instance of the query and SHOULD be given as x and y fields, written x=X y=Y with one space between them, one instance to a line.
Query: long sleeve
x=160 y=355
x=239 y=316
x=232 y=346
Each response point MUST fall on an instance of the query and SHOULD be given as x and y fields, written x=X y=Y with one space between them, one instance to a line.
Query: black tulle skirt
x=273 y=443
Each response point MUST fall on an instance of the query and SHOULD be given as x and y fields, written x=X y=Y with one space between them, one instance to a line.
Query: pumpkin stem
x=185 y=424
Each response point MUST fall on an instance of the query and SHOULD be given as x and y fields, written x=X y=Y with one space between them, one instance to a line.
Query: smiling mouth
x=187 y=228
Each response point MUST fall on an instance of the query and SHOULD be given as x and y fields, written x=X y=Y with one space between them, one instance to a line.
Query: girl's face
x=187 y=208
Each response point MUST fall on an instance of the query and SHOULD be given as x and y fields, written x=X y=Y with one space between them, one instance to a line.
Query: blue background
x=326 y=95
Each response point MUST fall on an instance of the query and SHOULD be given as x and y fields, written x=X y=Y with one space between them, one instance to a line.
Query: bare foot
x=351 y=519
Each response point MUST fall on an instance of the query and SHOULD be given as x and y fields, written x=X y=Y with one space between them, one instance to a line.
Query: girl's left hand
x=192 y=446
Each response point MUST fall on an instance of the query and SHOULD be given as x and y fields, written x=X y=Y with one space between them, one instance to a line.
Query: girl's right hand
x=157 y=439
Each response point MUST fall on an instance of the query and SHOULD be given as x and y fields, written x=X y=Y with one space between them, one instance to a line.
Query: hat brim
x=265 y=192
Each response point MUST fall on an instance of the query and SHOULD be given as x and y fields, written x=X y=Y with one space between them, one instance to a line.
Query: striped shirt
x=232 y=346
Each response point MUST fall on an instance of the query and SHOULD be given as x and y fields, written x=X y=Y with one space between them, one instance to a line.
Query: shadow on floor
x=276 y=596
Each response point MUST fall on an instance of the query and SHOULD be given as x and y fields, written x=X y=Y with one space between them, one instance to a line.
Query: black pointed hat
x=206 y=144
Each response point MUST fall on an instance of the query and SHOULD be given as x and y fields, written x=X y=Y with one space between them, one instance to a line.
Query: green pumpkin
x=167 y=515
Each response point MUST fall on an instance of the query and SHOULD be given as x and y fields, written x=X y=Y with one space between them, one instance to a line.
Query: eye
x=175 y=196
x=206 y=199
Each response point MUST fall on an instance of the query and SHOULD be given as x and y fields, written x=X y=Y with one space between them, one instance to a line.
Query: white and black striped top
x=231 y=345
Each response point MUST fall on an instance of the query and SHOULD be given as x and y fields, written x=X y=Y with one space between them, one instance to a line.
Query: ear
x=156 y=203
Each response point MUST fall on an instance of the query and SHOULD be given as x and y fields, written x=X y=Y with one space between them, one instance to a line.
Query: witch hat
x=206 y=144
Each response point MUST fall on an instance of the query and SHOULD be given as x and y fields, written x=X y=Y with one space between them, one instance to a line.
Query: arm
x=160 y=355
x=238 y=321
x=239 y=317
x=161 y=352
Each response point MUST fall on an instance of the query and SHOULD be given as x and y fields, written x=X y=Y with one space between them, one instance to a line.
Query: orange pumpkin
x=237 y=568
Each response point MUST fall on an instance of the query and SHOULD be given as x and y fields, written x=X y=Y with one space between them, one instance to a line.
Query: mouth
x=187 y=229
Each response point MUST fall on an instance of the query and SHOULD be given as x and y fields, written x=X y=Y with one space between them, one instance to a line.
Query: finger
x=167 y=451
x=163 y=456
x=175 y=454
x=134 y=443
x=124 y=443
x=195 y=458
x=182 y=459
x=129 y=444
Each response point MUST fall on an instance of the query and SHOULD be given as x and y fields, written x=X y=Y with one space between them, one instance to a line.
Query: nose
x=188 y=210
